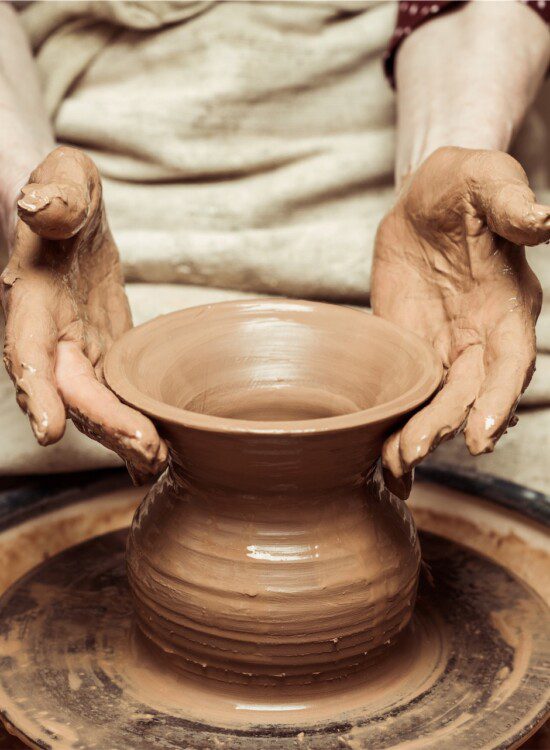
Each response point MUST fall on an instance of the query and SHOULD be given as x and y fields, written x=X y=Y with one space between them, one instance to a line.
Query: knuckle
x=385 y=234
x=22 y=400
x=9 y=357
x=528 y=371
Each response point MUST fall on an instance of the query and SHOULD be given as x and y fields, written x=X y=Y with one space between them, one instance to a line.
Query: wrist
x=458 y=84
x=425 y=141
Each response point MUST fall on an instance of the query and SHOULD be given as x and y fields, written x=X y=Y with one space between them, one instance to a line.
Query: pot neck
x=259 y=463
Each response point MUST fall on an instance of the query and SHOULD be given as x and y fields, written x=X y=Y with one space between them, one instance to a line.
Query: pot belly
x=270 y=588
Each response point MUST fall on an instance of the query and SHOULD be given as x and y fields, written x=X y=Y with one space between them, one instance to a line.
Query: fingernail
x=33 y=202
x=478 y=447
x=138 y=477
x=399 y=486
x=393 y=468
x=40 y=432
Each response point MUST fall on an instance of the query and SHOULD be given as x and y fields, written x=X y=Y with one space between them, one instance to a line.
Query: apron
x=246 y=148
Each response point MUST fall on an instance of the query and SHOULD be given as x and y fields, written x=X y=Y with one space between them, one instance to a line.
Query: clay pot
x=269 y=550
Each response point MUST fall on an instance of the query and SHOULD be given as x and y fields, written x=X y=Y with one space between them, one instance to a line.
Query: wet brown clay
x=269 y=551
x=68 y=639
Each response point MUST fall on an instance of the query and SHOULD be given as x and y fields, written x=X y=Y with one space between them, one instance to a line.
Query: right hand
x=450 y=265
x=64 y=302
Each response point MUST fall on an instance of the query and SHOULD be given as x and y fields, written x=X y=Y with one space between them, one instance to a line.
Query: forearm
x=25 y=132
x=467 y=79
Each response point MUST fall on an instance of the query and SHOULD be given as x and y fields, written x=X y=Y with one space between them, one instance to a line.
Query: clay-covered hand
x=64 y=302
x=450 y=265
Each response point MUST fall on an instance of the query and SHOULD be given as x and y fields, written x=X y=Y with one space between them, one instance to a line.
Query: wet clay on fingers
x=270 y=551
x=64 y=301
x=450 y=266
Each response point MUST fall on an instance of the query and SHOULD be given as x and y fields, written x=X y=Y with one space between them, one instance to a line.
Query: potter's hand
x=450 y=266
x=64 y=302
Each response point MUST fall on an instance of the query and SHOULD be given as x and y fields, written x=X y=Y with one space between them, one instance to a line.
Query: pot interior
x=274 y=360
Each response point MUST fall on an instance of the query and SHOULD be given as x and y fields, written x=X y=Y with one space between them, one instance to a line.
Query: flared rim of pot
x=141 y=340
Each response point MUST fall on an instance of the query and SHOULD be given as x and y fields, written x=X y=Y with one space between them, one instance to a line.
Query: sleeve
x=411 y=15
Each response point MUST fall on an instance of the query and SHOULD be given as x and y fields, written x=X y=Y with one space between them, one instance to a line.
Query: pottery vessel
x=269 y=550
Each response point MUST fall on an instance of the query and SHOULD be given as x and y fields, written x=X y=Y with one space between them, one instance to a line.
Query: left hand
x=449 y=264
x=64 y=302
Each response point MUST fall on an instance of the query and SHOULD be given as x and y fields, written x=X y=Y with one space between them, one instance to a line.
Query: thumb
x=501 y=192
x=57 y=201
x=513 y=214
x=53 y=210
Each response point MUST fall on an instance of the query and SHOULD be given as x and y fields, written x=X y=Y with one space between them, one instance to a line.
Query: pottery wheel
x=472 y=670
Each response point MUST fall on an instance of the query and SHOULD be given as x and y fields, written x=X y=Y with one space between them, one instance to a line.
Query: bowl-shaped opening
x=271 y=364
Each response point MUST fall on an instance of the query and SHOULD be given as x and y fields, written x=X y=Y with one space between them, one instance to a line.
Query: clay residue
x=30 y=543
x=450 y=670
x=408 y=668
x=509 y=548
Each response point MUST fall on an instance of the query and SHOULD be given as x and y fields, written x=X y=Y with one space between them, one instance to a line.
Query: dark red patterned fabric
x=413 y=13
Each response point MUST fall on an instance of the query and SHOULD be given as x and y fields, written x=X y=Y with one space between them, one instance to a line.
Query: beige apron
x=244 y=146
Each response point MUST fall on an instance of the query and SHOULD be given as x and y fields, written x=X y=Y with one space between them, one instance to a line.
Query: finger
x=514 y=215
x=54 y=210
x=391 y=457
x=502 y=191
x=29 y=357
x=508 y=374
x=401 y=487
x=538 y=392
x=98 y=413
x=444 y=416
x=56 y=202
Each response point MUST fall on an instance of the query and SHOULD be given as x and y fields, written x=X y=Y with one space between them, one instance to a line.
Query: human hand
x=449 y=264
x=64 y=302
